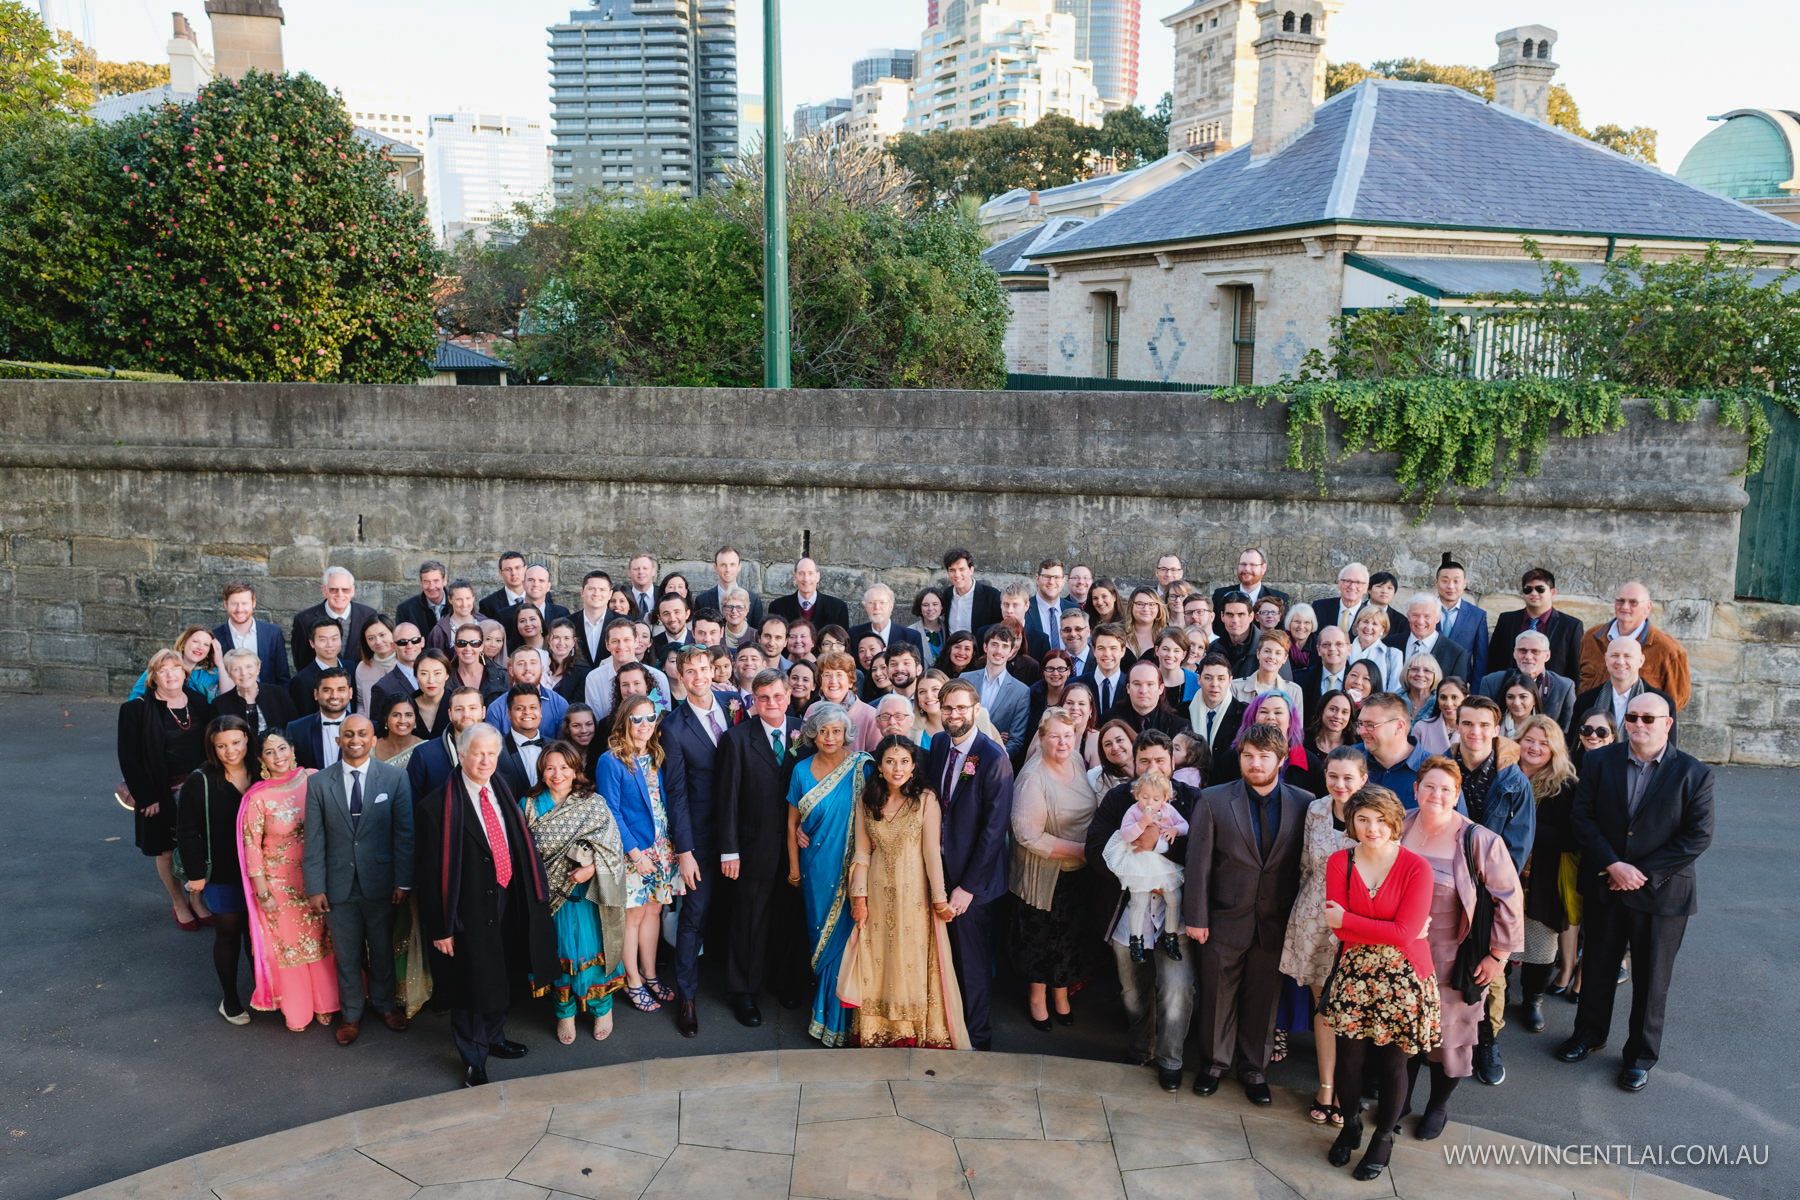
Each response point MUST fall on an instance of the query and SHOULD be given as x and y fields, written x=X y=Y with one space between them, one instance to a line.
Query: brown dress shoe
x=395 y=1020
x=347 y=1032
x=687 y=1022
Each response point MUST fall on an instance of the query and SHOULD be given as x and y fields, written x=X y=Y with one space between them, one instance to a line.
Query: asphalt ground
x=117 y=1059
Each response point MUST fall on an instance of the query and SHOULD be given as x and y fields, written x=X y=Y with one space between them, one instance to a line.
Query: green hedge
x=37 y=370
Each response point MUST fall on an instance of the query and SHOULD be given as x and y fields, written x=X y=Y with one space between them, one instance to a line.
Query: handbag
x=1331 y=976
x=1474 y=946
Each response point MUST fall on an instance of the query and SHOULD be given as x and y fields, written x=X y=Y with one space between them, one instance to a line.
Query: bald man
x=1665 y=659
x=1643 y=814
x=1623 y=683
x=807 y=603
x=358 y=866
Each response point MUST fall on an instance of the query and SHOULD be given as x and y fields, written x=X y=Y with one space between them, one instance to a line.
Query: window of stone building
x=1243 y=335
x=1107 y=307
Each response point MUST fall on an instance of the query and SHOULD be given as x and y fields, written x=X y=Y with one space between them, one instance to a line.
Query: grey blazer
x=1011 y=711
x=375 y=855
x=1559 y=707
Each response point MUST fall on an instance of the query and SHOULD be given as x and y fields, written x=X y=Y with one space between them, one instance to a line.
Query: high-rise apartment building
x=644 y=95
x=813 y=116
x=883 y=64
x=878 y=111
x=1000 y=62
x=477 y=166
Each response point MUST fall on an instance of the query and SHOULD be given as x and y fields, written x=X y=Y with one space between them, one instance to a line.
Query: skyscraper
x=883 y=64
x=1000 y=62
x=1106 y=35
x=477 y=166
x=644 y=95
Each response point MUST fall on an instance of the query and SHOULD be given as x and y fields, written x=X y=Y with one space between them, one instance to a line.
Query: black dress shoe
x=687 y=1021
x=1634 y=1079
x=745 y=1010
x=1577 y=1048
x=508 y=1050
x=1169 y=1078
x=1206 y=1083
x=1533 y=1016
x=474 y=1076
x=1258 y=1093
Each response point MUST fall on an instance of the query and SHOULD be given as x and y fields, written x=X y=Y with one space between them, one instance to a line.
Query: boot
x=1348 y=1140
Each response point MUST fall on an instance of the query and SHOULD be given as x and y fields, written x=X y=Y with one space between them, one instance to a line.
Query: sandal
x=1322 y=1110
x=603 y=1027
x=565 y=1030
x=659 y=989
x=641 y=999
x=1280 y=1051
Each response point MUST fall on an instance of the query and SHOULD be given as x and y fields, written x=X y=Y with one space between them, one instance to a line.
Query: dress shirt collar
x=337 y=616
x=770 y=731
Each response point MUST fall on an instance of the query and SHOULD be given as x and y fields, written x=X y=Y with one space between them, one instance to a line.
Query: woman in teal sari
x=822 y=801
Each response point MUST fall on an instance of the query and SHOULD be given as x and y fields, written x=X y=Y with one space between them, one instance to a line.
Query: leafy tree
x=113 y=78
x=1131 y=138
x=33 y=79
x=262 y=240
x=1638 y=142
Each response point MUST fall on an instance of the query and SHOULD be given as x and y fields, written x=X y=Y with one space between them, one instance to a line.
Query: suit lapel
x=1240 y=809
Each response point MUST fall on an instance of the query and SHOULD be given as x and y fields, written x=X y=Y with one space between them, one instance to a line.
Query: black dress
x=158 y=749
x=1055 y=947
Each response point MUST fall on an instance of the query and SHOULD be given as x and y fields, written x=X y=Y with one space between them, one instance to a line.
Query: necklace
x=183 y=717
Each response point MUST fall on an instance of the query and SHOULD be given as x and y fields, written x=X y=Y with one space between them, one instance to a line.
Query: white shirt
x=528 y=755
x=1108 y=689
x=513 y=597
x=1419 y=645
x=328 y=737
x=1620 y=700
x=960 y=615
x=885 y=633
x=337 y=616
x=475 y=803
x=245 y=640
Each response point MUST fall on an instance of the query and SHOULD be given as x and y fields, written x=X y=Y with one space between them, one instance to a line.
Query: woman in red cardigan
x=1382 y=999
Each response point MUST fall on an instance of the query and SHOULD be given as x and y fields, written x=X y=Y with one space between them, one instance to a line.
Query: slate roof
x=451 y=357
x=1461 y=278
x=1010 y=256
x=1388 y=152
x=381 y=141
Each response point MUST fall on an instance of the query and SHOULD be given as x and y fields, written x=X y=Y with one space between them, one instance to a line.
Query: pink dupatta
x=263 y=997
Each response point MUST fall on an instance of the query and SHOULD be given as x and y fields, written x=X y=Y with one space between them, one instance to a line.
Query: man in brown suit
x=1665 y=659
x=1243 y=872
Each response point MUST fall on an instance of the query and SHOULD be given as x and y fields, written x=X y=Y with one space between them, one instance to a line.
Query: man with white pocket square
x=358 y=866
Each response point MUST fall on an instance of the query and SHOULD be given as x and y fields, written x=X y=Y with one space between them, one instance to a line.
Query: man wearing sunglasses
x=1540 y=614
x=403 y=680
x=1665 y=663
x=1624 y=683
x=1643 y=814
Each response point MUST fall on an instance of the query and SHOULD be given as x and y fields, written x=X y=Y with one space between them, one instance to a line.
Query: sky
x=1646 y=62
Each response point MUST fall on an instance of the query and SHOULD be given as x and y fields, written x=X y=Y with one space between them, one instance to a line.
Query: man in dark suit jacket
x=1624 y=683
x=1353 y=595
x=340 y=608
x=1643 y=814
x=690 y=741
x=1556 y=694
x=878 y=603
x=750 y=782
x=1423 y=612
x=727 y=563
x=483 y=901
x=982 y=600
x=326 y=656
x=1251 y=567
x=1327 y=674
x=271 y=648
x=1143 y=706
x=974 y=781
x=431 y=604
x=511 y=592
x=1214 y=698
x=1564 y=631
x=315 y=735
x=358 y=865
x=807 y=602
x=1243 y=872
x=522 y=742
x=432 y=763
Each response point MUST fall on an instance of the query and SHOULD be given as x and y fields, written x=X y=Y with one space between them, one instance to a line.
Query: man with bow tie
x=315 y=736
x=523 y=740
x=358 y=865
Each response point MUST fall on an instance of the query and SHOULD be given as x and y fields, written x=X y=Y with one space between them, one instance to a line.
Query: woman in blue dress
x=584 y=864
x=822 y=800
x=630 y=778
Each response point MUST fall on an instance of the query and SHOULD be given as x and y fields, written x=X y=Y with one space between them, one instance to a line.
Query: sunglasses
x=1642 y=718
x=466 y=645
x=1534 y=589
x=643 y=720
x=1594 y=731
x=408 y=641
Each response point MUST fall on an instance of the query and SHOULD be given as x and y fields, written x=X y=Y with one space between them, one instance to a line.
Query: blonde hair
x=1559 y=772
x=1152 y=783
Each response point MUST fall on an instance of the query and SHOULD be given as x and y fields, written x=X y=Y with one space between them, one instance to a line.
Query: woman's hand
x=1334 y=914
x=150 y=810
x=802 y=839
x=639 y=863
x=582 y=874
x=859 y=910
x=196 y=885
x=942 y=910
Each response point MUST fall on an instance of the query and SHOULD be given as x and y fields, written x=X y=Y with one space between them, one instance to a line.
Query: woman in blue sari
x=822 y=801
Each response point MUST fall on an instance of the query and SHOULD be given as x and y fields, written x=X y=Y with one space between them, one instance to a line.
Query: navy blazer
x=826 y=610
x=687 y=771
x=1034 y=625
x=414 y=610
x=1471 y=633
x=977 y=811
x=271 y=648
x=299 y=640
x=628 y=796
x=1559 y=707
x=430 y=767
x=307 y=736
x=1673 y=825
x=896 y=633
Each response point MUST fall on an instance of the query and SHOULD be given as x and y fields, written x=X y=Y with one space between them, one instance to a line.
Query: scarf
x=457 y=803
x=576 y=833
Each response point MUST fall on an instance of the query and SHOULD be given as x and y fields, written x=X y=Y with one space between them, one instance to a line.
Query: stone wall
x=124 y=508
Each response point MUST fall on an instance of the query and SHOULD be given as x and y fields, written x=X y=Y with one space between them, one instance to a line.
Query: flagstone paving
x=847 y=1125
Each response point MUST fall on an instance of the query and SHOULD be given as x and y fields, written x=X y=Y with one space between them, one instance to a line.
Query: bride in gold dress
x=897 y=973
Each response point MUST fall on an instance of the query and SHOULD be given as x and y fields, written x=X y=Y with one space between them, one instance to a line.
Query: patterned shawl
x=576 y=833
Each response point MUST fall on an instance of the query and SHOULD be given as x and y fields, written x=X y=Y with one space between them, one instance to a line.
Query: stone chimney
x=1290 y=71
x=190 y=68
x=1523 y=74
x=246 y=34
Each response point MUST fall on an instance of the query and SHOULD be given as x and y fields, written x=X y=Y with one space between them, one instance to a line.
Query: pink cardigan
x=1395 y=916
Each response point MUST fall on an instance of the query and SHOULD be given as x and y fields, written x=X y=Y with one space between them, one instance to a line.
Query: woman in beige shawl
x=1052 y=805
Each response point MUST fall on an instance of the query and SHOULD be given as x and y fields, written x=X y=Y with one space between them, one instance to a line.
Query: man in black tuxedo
x=1252 y=565
x=1538 y=588
x=1421 y=636
x=483 y=900
x=315 y=736
x=523 y=741
x=511 y=592
x=1215 y=716
x=974 y=781
x=431 y=604
x=1315 y=682
x=967 y=604
x=1243 y=872
x=807 y=603
x=1340 y=610
x=339 y=608
x=727 y=563
x=690 y=741
x=1643 y=814
x=754 y=765
x=327 y=656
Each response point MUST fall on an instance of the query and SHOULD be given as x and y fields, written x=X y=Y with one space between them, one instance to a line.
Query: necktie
x=1346 y=617
x=1052 y=629
x=775 y=744
x=355 y=797
x=1211 y=714
x=536 y=741
x=496 y=835
x=715 y=723
x=1448 y=621
x=950 y=773
x=1106 y=695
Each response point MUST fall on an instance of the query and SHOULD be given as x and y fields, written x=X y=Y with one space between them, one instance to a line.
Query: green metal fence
x=1769 y=535
x=1073 y=383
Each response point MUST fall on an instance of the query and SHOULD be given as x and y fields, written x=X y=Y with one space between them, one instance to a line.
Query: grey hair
x=734 y=592
x=1533 y=637
x=237 y=656
x=823 y=714
x=325 y=581
x=894 y=700
x=467 y=738
x=878 y=589
x=1425 y=598
x=1355 y=566
x=1302 y=609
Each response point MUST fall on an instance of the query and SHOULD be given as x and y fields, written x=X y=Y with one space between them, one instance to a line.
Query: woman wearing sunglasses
x=630 y=778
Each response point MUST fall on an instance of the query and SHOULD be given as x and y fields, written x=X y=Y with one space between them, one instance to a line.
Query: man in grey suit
x=1556 y=693
x=358 y=865
x=1243 y=872
x=1004 y=698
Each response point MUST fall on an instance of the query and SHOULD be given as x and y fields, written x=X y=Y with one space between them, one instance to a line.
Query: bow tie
x=536 y=741
x=330 y=721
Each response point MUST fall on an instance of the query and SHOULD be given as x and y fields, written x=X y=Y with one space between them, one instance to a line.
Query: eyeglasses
x=646 y=719
x=466 y=645
x=408 y=641
x=1367 y=726
x=737 y=608
x=1594 y=731
x=1642 y=718
x=1534 y=589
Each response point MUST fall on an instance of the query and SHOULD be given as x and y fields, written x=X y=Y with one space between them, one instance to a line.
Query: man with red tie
x=483 y=899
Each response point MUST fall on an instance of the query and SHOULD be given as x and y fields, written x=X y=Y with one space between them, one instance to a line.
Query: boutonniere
x=793 y=739
x=735 y=710
x=968 y=771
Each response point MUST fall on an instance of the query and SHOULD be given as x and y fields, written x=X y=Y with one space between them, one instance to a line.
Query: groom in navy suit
x=974 y=781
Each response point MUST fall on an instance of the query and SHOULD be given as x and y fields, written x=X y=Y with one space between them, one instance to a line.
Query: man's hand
x=1625 y=877
x=729 y=868
x=1148 y=839
x=318 y=903
x=689 y=868
x=150 y=810
x=1487 y=970
x=960 y=899
x=400 y=895
x=1198 y=934
x=445 y=946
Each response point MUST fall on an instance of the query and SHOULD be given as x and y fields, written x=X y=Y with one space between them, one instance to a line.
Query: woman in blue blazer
x=629 y=776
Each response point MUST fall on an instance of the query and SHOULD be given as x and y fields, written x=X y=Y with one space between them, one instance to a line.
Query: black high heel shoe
x=1374 y=1160
x=1042 y=1026
x=1347 y=1142
x=1064 y=1018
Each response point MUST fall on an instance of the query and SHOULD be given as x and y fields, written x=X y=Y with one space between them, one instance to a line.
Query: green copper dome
x=1751 y=156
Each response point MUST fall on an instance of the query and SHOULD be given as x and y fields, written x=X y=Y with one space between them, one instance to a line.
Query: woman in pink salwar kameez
x=295 y=970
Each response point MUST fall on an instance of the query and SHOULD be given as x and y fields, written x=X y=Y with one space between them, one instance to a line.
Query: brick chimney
x=1290 y=71
x=1523 y=74
x=246 y=34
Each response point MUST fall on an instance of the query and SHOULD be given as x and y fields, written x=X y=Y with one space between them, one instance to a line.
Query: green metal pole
x=776 y=371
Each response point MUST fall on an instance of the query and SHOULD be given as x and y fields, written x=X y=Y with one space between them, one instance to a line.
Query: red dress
x=1383 y=987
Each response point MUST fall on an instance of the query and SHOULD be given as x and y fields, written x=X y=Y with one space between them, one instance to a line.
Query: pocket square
x=379 y=799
